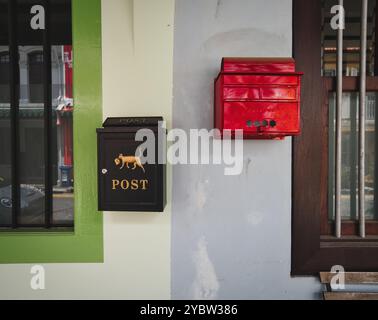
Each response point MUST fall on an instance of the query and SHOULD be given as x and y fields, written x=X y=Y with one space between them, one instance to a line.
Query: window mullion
x=47 y=79
x=14 y=103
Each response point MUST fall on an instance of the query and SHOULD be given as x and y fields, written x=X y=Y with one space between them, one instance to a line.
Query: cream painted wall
x=137 y=81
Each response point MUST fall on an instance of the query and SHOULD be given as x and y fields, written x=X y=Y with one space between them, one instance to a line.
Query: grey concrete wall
x=231 y=235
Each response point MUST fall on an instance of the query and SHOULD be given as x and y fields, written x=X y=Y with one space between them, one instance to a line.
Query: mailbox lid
x=132 y=122
x=258 y=65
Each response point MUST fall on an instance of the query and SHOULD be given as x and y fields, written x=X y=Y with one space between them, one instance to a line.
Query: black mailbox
x=125 y=183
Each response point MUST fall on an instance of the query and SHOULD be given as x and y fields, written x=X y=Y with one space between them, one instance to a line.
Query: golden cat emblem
x=126 y=160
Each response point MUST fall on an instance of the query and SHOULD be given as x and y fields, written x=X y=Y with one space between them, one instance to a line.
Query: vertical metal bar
x=322 y=37
x=375 y=48
x=14 y=80
x=353 y=156
x=339 y=96
x=376 y=116
x=361 y=120
x=331 y=156
x=376 y=157
x=47 y=79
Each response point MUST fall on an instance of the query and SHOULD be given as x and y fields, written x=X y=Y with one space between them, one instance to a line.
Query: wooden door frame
x=310 y=252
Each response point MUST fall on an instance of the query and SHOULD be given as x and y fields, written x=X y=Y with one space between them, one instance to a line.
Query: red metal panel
x=241 y=93
x=279 y=93
x=239 y=79
x=250 y=117
x=258 y=65
x=260 y=96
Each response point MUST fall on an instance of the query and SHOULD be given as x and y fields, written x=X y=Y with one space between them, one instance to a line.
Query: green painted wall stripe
x=86 y=243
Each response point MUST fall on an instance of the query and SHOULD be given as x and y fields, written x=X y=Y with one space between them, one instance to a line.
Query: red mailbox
x=261 y=96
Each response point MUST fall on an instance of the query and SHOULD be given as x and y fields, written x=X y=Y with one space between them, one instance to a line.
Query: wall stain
x=248 y=162
x=201 y=194
x=218 y=7
x=206 y=283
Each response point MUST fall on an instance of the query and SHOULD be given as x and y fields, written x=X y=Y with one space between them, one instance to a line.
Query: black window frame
x=14 y=82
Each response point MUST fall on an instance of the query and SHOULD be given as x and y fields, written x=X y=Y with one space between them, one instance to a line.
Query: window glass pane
x=31 y=131
x=4 y=75
x=5 y=138
x=62 y=103
x=349 y=169
x=31 y=163
x=35 y=76
x=31 y=123
x=351 y=44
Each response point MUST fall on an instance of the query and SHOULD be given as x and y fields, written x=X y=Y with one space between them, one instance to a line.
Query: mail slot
x=125 y=181
x=261 y=96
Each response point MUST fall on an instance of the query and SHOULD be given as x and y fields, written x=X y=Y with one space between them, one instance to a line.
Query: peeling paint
x=248 y=162
x=201 y=194
x=206 y=284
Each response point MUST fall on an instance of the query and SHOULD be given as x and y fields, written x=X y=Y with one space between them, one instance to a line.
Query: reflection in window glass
x=62 y=104
x=351 y=50
x=4 y=74
x=32 y=172
x=35 y=74
x=31 y=132
x=349 y=158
